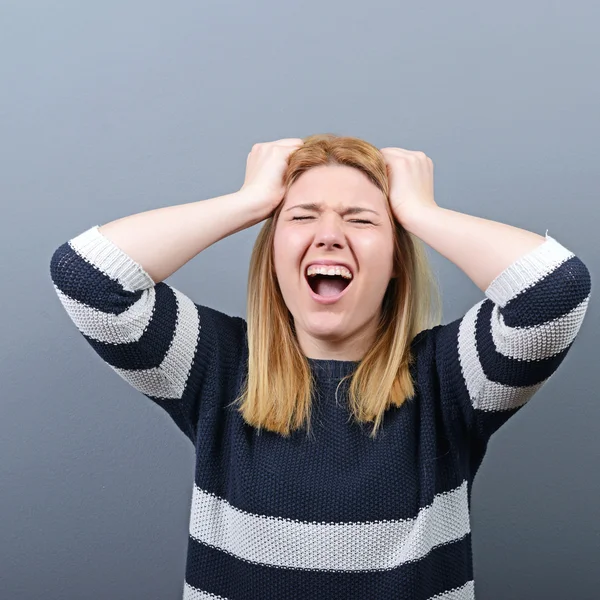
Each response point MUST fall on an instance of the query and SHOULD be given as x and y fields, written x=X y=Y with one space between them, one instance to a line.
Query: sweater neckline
x=331 y=367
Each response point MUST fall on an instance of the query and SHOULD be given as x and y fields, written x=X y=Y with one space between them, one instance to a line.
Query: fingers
x=289 y=142
x=418 y=155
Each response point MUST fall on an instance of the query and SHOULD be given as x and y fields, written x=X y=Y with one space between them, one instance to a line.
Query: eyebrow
x=350 y=210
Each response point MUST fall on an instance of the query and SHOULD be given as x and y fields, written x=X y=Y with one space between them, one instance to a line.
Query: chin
x=326 y=327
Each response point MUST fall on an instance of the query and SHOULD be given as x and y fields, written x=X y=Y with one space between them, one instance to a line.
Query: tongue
x=330 y=286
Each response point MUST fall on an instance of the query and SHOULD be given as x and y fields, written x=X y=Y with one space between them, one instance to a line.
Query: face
x=343 y=329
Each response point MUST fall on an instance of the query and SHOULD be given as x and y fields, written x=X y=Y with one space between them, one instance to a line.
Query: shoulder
x=224 y=324
x=223 y=336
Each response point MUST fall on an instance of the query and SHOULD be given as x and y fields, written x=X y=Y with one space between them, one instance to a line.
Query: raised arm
x=110 y=281
x=498 y=355
x=491 y=361
x=156 y=338
x=164 y=239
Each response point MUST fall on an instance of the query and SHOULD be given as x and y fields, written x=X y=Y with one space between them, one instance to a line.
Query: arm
x=152 y=335
x=480 y=247
x=164 y=239
x=493 y=360
x=488 y=363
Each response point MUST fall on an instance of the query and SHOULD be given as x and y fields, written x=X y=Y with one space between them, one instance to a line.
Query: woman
x=295 y=495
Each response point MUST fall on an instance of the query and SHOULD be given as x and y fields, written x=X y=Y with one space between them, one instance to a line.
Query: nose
x=329 y=232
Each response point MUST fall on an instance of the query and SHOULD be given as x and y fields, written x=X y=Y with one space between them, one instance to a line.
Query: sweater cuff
x=527 y=270
x=108 y=258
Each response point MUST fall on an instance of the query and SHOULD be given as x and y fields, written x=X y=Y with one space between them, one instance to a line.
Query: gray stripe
x=169 y=379
x=527 y=270
x=520 y=343
x=290 y=543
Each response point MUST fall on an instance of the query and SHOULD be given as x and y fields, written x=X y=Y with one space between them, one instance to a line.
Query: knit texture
x=337 y=515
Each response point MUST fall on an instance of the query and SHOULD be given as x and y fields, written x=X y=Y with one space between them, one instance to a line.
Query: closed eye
x=351 y=220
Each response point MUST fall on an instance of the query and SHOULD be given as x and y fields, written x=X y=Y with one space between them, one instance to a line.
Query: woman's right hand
x=265 y=166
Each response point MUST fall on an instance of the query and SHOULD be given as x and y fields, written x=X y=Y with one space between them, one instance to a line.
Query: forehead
x=335 y=185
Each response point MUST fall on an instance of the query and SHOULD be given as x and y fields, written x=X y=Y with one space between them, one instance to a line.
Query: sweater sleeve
x=177 y=353
x=500 y=353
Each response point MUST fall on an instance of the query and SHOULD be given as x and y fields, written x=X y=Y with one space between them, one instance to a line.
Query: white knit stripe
x=527 y=270
x=169 y=379
x=464 y=592
x=125 y=328
x=192 y=593
x=531 y=343
x=351 y=546
x=551 y=338
x=484 y=393
x=108 y=258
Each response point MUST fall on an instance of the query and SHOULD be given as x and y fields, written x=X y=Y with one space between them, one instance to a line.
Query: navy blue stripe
x=503 y=369
x=485 y=424
x=469 y=427
x=312 y=486
x=150 y=349
x=83 y=282
x=551 y=297
x=79 y=280
x=182 y=413
x=217 y=572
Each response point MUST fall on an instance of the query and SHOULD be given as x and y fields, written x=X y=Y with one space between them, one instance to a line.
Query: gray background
x=113 y=108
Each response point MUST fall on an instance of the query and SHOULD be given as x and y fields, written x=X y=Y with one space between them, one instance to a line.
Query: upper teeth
x=329 y=270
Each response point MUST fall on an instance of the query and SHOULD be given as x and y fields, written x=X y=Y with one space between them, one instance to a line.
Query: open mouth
x=327 y=285
x=327 y=289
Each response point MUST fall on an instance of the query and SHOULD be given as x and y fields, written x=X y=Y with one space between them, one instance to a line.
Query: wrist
x=412 y=218
x=252 y=203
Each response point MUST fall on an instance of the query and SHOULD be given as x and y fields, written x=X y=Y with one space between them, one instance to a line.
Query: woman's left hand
x=410 y=175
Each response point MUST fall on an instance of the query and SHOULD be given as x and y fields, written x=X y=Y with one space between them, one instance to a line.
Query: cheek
x=286 y=258
x=279 y=247
x=371 y=250
x=288 y=245
x=375 y=257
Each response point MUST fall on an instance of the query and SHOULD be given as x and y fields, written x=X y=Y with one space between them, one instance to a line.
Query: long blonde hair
x=278 y=387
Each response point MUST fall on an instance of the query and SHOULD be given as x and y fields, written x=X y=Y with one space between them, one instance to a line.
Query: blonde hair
x=278 y=387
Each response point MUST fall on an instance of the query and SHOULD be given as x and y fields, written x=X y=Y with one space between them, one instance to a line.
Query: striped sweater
x=338 y=515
